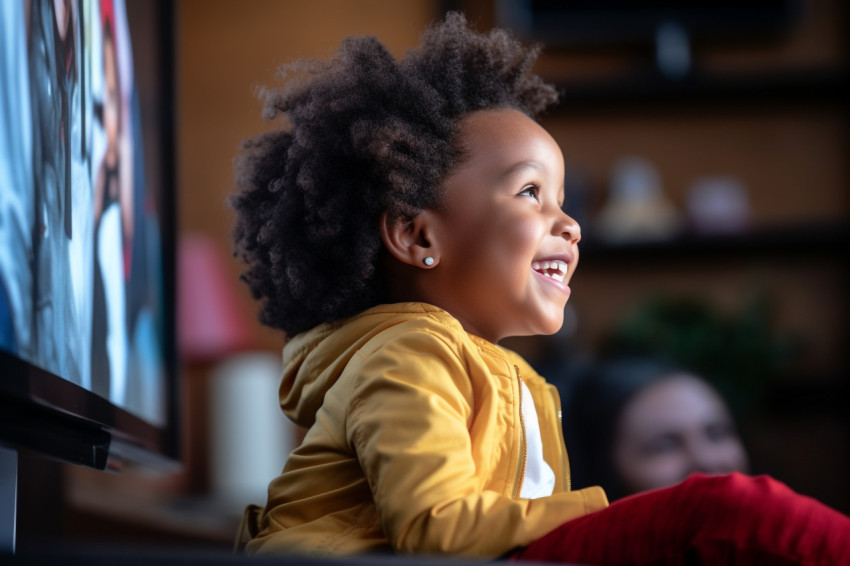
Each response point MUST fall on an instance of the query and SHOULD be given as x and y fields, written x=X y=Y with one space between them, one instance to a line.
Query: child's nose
x=568 y=228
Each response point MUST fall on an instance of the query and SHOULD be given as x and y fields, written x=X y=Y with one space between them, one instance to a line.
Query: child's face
x=508 y=250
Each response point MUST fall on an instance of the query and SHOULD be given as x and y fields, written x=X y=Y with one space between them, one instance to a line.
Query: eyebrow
x=529 y=164
x=519 y=166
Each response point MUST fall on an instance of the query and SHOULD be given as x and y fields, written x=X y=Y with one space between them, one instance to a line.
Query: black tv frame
x=46 y=414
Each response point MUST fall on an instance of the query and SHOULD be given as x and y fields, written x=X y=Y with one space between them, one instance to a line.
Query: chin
x=549 y=326
x=550 y=331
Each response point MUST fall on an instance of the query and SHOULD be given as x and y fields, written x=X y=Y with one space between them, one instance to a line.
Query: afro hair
x=367 y=134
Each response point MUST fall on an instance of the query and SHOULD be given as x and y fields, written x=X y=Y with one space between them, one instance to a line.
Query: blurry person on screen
x=113 y=220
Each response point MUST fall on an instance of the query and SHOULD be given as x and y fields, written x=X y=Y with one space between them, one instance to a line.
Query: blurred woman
x=634 y=424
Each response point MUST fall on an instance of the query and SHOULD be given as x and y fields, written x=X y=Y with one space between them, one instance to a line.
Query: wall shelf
x=759 y=90
x=810 y=241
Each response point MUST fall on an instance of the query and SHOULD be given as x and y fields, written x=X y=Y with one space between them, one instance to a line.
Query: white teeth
x=555 y=269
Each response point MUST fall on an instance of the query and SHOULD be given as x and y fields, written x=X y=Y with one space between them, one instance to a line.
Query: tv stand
x=8 y=498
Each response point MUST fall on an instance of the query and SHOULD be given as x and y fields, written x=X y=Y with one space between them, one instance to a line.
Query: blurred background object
x=210 y=323
x=718 y=205
x=250 y=438
x=637 y=210
x=738 y=351
x=239 y=418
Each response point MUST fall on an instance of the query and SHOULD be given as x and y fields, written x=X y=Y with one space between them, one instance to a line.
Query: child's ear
x=409 y=239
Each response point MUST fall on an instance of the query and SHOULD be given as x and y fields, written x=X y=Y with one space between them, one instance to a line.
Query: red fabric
x=732 y=519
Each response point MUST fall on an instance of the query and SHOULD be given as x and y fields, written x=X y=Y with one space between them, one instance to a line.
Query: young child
x=408 y=219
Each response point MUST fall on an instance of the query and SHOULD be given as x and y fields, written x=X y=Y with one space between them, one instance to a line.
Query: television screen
x=86 y=225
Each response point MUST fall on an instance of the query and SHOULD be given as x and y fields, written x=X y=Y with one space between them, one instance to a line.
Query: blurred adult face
x=674 y=427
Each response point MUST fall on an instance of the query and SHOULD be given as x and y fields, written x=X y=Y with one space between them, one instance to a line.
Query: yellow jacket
x=415 y=442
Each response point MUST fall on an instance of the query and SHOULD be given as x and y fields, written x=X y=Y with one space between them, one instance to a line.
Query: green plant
x=739 y=352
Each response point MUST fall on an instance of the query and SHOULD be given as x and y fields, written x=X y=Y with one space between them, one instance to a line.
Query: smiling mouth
x=554 y=269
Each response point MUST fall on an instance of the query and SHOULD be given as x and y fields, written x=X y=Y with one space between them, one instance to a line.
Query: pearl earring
x=429 y=260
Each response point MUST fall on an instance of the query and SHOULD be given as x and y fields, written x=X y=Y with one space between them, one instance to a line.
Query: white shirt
x=539 y=479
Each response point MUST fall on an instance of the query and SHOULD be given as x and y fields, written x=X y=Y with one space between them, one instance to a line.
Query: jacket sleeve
x=409 y=424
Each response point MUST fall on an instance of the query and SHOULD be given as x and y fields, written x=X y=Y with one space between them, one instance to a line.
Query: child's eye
x=530 y=190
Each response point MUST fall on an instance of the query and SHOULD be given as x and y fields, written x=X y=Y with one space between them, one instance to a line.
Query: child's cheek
x=527 y=236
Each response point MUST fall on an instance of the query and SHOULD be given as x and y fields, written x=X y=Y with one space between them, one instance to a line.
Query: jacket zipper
x=520 y=474
x=565 y=458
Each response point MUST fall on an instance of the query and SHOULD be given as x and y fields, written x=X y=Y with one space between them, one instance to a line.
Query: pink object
x=210 y=321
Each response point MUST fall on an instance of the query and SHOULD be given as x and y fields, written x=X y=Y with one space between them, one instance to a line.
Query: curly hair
x=367 y=134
